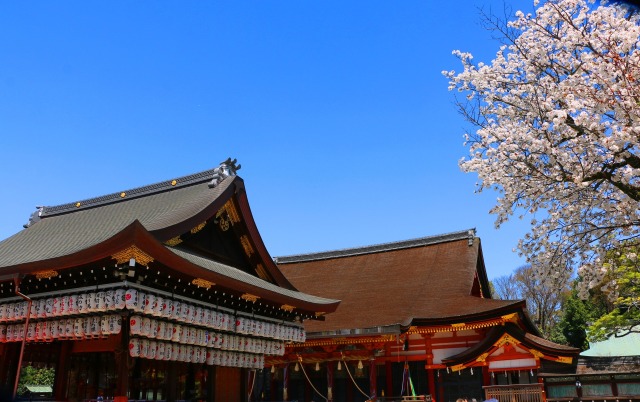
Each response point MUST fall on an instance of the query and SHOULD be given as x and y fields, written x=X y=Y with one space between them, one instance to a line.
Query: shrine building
x=416 y=322
x=160 y=293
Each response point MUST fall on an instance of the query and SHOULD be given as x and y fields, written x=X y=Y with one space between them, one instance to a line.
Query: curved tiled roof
x=527 y=339
x=428 y=279
x=68 y=228
x=244 y=277
x=81 y=232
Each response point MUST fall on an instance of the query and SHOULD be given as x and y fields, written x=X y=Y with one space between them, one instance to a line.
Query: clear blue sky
x=337 y=111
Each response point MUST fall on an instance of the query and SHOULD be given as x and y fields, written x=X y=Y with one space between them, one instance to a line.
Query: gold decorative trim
x=513 y=317
x=460 y=325
x=230 y=208
x=231 y=217
x=77 y=205
x=224 y=223
x=457 y=367
x=506 y=339
x=48 y=274
x=198 y=228
x=246 y=245
x=349 y=341
x=320 y=313
x=203 y=283
x=173 y=242
x=287 y=307
x=482 y=357
x=123 y=194
x=174 y=182
x=249 y=297
x=448 y=328
x=537 y=354
x=564 y=359
x=132 y=252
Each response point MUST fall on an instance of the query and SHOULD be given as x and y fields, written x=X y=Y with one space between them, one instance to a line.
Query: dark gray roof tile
x=59 y=234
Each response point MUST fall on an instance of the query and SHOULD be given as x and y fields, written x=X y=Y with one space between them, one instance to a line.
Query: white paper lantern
x=3 y=312
x=63 y=309
x=134 y=347
x=149 y=302
x=104 y=325
x=176 y=310
x=159 y=306
x=177 y=332
x=160 y=351
x=100 y=301
x=91 y=301
x=62 y=329
x=153 y=347
x=168 y=351
x=115 y=324
x=168 y=331
x=72 y=307
x=54 y=331
x=120 y=299
x=69 y=328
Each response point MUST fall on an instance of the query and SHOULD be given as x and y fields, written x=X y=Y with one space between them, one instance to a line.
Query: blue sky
x=337 y=111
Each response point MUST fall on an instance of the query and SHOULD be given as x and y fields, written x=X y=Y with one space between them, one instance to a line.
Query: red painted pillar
x=388 y=375
x=431 y=381
x=486 y=379
x=432 y=384
x=373 y=379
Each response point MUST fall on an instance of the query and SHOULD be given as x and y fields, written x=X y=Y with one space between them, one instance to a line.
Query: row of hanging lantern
x=148 y=304
x=73 y=304
x=64 y=329
x=149 y=349
x=184 y=334
x=188 y=313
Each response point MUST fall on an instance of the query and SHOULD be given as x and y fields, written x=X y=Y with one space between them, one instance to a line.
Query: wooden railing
x=515 y=393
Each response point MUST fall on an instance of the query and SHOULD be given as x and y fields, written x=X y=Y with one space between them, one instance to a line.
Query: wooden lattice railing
x=515 y=393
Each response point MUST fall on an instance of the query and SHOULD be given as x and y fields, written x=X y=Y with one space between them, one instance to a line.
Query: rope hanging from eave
x=346 y=366
x=309 y=381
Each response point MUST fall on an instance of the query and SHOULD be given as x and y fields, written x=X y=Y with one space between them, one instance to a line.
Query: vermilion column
x=431 y=380
x=388 y=373
x=373 y=375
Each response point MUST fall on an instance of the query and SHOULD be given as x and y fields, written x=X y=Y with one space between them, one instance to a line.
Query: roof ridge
x=215 y=175
x=378 y=248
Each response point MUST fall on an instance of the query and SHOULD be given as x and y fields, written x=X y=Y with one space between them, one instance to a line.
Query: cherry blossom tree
x=556 y=116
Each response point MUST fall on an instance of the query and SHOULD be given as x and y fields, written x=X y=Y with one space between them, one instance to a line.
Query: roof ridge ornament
x=471 y=235
x=34 y=217
x=226 y=169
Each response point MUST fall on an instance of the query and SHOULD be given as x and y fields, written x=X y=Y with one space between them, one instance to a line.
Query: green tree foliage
x=576 y=315
x=623 y=291
x=30 y=375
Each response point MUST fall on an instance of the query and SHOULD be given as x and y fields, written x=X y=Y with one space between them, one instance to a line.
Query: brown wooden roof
x=81 y=232
x=428 y=280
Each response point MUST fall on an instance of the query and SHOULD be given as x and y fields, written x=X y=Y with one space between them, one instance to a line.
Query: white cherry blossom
x=557 y=120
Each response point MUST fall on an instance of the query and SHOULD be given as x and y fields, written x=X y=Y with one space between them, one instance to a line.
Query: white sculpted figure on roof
x=557 y=120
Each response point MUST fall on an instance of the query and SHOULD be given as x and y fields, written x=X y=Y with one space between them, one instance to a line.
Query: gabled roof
x=427 y=280
x=66 y=229
x=150 y=218
x=511 y=333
